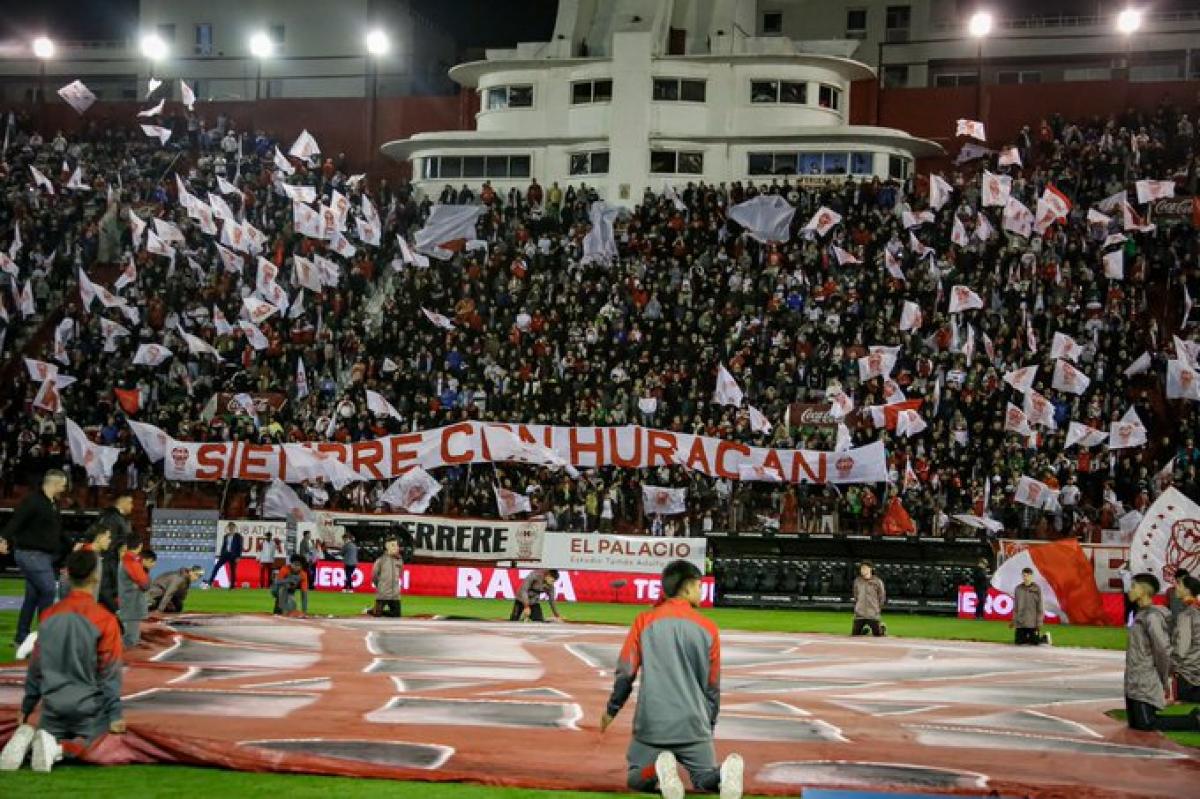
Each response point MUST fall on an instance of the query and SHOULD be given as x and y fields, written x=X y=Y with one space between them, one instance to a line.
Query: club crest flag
x=663 y=501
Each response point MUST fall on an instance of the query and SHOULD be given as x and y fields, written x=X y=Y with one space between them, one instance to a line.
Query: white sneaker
x=46 y=752
x=26 y=647
x=667 y=770
x=732 y=773
x=17 y=748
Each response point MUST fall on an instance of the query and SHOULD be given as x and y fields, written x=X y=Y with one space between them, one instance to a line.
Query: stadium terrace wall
x=930 y=112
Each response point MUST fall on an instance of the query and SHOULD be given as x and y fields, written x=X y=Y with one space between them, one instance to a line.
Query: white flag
x=963 y=299
x=600 y=243
x=281 y=502
x=758 y=422
x=1058 y=202
x=77 y=96
x=958 y=233
x=510 y=503
x=389 y=366
x=410 y=257
x=153 y=440
x=823 y=221
x=305 y=273
x=154 y=111
x=258 y=311
x=1034 y=493
x=413 y=491
x=87 y=290
x=25 y=303
x=128 y=275
x=1084 y=436
x=156 y=132
x=300 y=194
x=1039 y=410
x=1128 y=432
x=844 y=441
x=157 y=246
x=168 y=231
x=970 y=128
x=448 y=223
x=1114 y=264
x=110 y=331
x=727 y=391
x=1010 y=156
x=876 y=364
x=657 y=500
x=437 y=319
x=1063 y=346
x=1148 y=190
x=1183 y=382
x=378 y=405
x=253 y=335
x=231 y=261
x=48 y=398
x=225 y=187
x=939 y=192
x=301 y=379
x=1068 y=378
x=1141 y=364
x=189 y=96
x=983 y=228
x=909 y=423
x=892 y=264
x=911 y=317
x=766 y=217
x=1017 y=218
x=997 y=189
x=282 y=164
x=1015 y=421
x=96 y=460
x=198 y=346
x=40 y=179
x=40 y=371
x=843 y=257
x=305 y=146
x=220 y=322
x=151 y=355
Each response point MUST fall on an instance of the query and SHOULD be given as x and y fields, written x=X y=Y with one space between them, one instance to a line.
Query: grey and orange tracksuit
x=75 y=669
x=678 y=652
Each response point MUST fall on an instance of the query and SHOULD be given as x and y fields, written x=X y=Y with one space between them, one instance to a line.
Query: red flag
x=896 y=520
x=891 y=413
x=1064 y=566
x=130 y=399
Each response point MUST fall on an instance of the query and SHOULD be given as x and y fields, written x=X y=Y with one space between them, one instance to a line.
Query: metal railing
x=1043 y=21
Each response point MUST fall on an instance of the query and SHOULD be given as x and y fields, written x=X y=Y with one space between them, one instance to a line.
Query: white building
x=924 y=42
x=318 y=52
x=631 y=93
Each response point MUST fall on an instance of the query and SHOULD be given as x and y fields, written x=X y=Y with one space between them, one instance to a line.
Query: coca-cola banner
x=595 y=552
x=580 y=447
x=447 y=538
x=808 y=414
x=485 y=582
x=1176 y=208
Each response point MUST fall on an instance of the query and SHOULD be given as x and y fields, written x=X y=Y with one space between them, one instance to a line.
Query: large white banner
x=582 y=447
x=619 y=553
x=444 y=537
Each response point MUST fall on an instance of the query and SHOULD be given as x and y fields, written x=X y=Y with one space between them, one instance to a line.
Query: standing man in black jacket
x=115 y=519
x=34 y=533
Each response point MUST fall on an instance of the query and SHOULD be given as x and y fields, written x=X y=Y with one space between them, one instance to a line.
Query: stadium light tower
x=154 y=47
x=1129 y=21
x=43 y=49
x=378 y=44
x=261 y=47
x=979 y=26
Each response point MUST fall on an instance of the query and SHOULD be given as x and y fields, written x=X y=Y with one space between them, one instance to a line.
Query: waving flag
x=153 y=440
x=151 y=355
x=840 y=403
x=189 y=96
x=305 y=146
x=1035 y=494
x=727 y=391
x=301 y=379
x=892 y=264
x=255 y=336
x=1168 y=538
x=911 y=317
x=766 y=217
x=437 y=319
x=1128 y=432
x=1065 y=575
x=1058 y=202
x=78 y=96
x=970 y=128
x=876 y=364
x=1068 y=378
x=843 y=257
x=983 y=228
x=413 y=491
x=958 y=233
x=661 y=501
x=281 y=502
x=997 y=189
x=823 y=221
x=909 y=423
x=447 y=224
x=1084 y=436
x=1063 y=346
x=1114 y=264
x=1017 y=218
x=153 y=111
x=758 y=422
x=410 y=257
x=1140 y=364
x=257 y=311
x=1039 y=410
x=48 y=398
x=1015 y=421
x=1149 y=190
x=1010 y=156
x=198 y=346
x=963 y=299
x=1183 y=382
x=220 y=322
x=41 y=180
x=378 y=405
x=510 y=503
x=157 y=132
x=939 y=192
x=282 y=164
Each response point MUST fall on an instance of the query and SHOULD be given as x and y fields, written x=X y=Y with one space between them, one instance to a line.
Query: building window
x=895 y=76
x=898 y=168
x=1019 y=76
x=475 y=166
x=591 y=91
x=896 y=23
x=674 y=89
x=829 y=97
x=277 y=34
x=672 y=162
x=836 y=163
x=166 y=31
x=501 y=97
x=956 y=79
x=595 y=163
x=772 y=23
x=862 y=163
x=810 y=164
x=204 y=38
x=856 y=23
x=778 y=91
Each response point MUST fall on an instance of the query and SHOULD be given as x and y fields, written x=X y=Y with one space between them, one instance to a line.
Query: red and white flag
x=1035 y=493
x=230 y=260
x=892 y=264
x=911 y=317
x=1068 y=378
x=727 y=391
x=151 y=355
x=305 y=146
x=1114 y=264
x=1015 y=421
x=1132 y=220
x=198 y=346
x=761 y=474
x=157 y=246
x=1065 y=575
x=510 y=503
x=843 y=257
x=1017 y=218
x=958 y=233
x=378 y=405
x=253 y=335
x=939 y=192
x=1183 y=381
x=1010 y=156
x=153 y=440
x=301 y=379
x=663 y=501
x=220 y=322
x=876 y=364
x=256 y=310
x=1058 y=202
x=97 y=461
x=305 y=273
x=1084 y=436
x=909 y=423
x=281 y=502
x=840 y=403
x=1039 y=410
x=758 y=422
x=1140 y=364
x=1128 y=432
x=40 y=371
x=168 y=231
x=918 y=247
x=983 y=228
x=963 y=299
x=997 y=189
x=823 y=221
x=1166 y=540
x=128 y=275
x=25 y=300
x=1094 y=217
x=413 y=491
x=1063 y=346
x=110 y=331
x=1149 y=190
x=970 y=128
x=437 y=319
x=48 y=398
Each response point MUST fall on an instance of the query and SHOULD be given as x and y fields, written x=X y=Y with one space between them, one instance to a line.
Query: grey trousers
x=700 y=760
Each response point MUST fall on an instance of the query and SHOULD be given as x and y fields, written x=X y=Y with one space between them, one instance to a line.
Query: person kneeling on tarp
x=1185 y=641
x=386 y=574
x=169 y=591
x=74 y=673
x=291 y=578
x=1028 y=611
x=678 y=653
x=1148 y=663
x=869 y=599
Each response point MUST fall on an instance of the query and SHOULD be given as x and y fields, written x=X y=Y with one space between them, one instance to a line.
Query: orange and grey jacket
x=75 y=669
x=678 y=652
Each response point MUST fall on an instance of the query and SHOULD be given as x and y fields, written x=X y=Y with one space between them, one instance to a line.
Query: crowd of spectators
x=543 y=337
